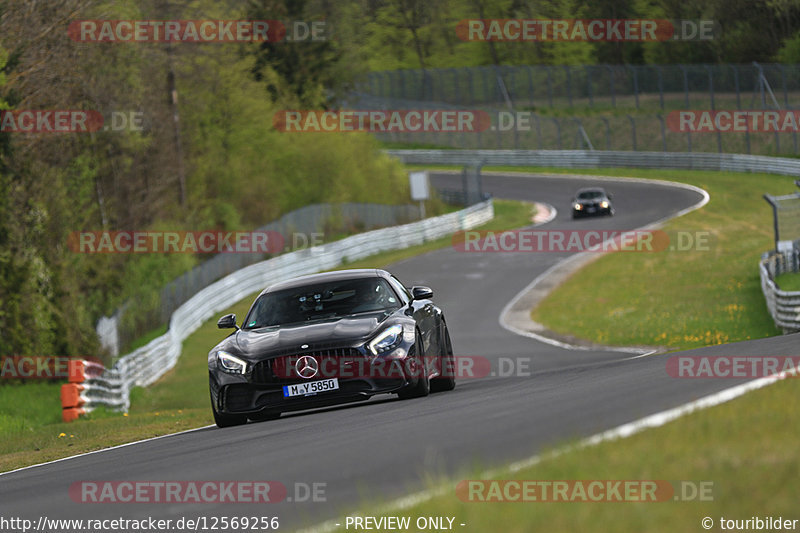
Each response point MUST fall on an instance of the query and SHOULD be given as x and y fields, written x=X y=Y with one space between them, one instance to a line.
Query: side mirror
x=228 y=321
x=420 y=292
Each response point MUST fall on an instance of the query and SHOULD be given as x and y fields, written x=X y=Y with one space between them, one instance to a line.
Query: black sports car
x=328 y=338
x=592 y=201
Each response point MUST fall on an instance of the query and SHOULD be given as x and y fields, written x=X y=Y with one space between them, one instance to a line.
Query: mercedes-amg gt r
x=328 y=338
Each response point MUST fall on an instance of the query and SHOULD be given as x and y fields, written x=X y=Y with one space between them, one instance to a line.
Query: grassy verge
x=725 y=445
x=178 y=401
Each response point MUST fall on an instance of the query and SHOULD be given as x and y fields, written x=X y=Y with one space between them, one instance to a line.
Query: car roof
x=591 y=189
x=336 y=275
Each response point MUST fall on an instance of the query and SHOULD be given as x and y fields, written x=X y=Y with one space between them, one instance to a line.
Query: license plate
x=310 y=388
x=592 y=209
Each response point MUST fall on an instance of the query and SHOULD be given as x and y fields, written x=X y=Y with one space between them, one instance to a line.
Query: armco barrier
x=784 y=306
x=93 y=386
x=604 y=159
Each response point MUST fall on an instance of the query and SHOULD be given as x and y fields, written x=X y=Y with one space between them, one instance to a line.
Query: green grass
x=788 y=282
x=727 y=445
x=178 y=401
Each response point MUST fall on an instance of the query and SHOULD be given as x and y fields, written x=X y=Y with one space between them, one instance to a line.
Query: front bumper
x=260 y=390
x=250 y=399
x=591 y=211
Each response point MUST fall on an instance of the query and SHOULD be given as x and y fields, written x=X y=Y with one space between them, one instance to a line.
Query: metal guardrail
x=597 y=159
x=783 y=306
x=111 y=387
x=117 y=334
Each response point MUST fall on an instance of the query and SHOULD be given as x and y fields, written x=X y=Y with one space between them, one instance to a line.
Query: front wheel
x=447 y=380
x=225 y=421
x=423 y=385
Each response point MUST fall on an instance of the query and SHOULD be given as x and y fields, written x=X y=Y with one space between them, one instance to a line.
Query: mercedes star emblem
x=306 y=367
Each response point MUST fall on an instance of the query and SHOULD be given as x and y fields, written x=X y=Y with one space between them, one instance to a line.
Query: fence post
x=558 y=130
x=608 y=133
x=635 y=85
x=588 y=70
x=633 y=130
x=685 y=86
x=611 y=85
x=713 y=103
x=783 y=82
x=485 y=84
x=569 y=84
x=538 y=130
x=581 y=134
x=549 y=87
x=761 y=85
x=471 y=86
x=440 y=77
x=454 y=72
x=663 y=133
x=530 y=86
x=660 y=87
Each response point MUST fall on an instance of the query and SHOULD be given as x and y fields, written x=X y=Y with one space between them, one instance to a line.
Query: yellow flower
x=62 y=435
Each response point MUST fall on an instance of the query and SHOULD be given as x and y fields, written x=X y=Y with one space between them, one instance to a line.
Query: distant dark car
x=329 y=338
x=592 y=201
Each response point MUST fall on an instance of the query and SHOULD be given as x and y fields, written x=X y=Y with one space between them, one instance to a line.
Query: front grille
x=280 y=370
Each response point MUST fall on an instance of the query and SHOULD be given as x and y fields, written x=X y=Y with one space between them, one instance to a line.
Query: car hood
x=261 y=342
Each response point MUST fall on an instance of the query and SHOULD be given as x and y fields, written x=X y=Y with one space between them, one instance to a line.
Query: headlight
x=386 y=339
x=577 y=207
x=604 y=204
x=231 y=363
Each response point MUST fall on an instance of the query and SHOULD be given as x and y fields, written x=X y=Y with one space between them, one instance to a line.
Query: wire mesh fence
x=656 y=87
x=595 y=107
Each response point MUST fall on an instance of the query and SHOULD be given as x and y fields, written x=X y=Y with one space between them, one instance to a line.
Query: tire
x=442 y=384
x=226 y=421
x=423 y=385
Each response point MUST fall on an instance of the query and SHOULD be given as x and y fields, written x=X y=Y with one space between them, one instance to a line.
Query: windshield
x=322 y=301
x=589 y=195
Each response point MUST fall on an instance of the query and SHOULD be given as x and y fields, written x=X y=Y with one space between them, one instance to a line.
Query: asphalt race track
x=381 y=449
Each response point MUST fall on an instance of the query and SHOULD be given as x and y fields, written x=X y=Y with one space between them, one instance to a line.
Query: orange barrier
x=72 y=413
x=71 y=400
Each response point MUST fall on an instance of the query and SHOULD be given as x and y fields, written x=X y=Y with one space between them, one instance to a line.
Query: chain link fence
x=657 y=87
x=597 y=107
